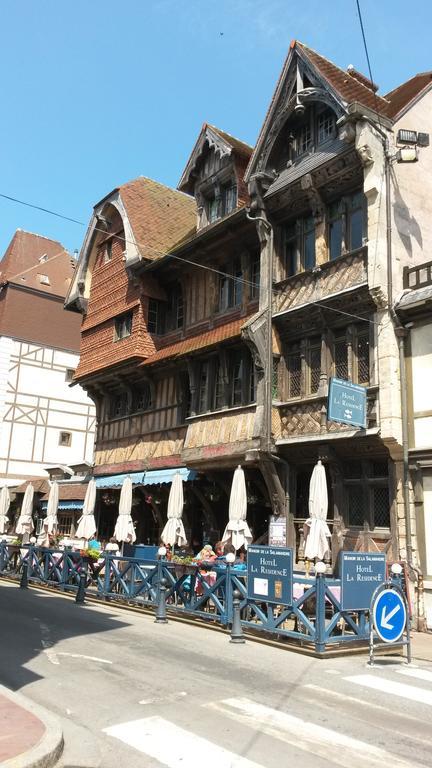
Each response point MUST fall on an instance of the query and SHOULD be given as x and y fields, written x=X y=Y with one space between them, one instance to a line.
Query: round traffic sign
x=389 y=615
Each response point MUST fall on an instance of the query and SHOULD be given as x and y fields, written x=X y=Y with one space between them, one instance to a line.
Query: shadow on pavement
x=32 y=622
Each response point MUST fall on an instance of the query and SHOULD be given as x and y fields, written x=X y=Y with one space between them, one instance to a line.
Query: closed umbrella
x=124 y=530
x=51 y=522
x=317 y=536
x=4 y=507
x=25 y=525
x=87 y=523
x=237 y=531
x=174 y=532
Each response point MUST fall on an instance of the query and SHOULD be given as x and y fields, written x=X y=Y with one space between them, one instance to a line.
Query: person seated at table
x=112 y=547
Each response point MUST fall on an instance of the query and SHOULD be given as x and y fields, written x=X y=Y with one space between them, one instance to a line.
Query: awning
x=67 y=504
x=151 y=477
x=116 y=481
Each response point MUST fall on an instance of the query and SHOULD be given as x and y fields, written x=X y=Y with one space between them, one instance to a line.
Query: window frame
x=230 y=285
x=367 y=482
x=297 y=240
x=345 y=215
x=65 y=443
x=303 y=353
x=156 y=317
x=123 y=326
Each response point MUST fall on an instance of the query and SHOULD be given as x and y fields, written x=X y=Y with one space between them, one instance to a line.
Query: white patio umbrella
x=317 y=543
x=87 y=523
x=237 y=531
x=25 y=525
x=51 y=522
x=4 y=507
x=174 y=532
x=124 y=530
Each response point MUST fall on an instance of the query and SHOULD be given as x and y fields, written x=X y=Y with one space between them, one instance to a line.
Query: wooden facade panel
x=147 y=448
x=334 y=277
x=310 y=418
x=221 y=429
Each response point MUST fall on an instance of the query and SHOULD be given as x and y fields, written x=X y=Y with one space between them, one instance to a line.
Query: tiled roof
x=200 y=341
x=40 y=485
x=25 y=251
x=400 y=97
x=347 y=85
x=52 y=276
x=69 y=492
x=160 y=217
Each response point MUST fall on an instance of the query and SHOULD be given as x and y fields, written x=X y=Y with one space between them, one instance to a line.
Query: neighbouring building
x=43 y=419
x=312 y=228
x=414 y=310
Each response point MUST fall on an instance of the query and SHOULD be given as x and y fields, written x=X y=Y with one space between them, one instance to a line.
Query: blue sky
x=97 y=92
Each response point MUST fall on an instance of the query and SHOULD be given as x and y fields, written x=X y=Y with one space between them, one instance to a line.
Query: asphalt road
x=143 y=694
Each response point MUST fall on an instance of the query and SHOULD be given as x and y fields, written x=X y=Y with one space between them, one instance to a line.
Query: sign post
x=270 y=574
x=346 y=403
x=389 y=617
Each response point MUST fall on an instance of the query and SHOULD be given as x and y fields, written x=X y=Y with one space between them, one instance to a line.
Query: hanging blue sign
x=360 y=574
x=270 y=574
x=347 y=403
x=389 y=615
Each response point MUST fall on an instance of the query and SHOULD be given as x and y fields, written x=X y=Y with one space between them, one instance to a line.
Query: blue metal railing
x=315 y=618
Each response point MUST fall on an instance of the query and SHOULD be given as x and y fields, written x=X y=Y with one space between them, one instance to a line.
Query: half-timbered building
x=215 y=315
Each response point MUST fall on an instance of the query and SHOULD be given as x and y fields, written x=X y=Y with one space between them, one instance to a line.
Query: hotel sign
x=347 y=403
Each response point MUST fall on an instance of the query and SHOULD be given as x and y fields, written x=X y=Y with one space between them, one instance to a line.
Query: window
x=221 y=201
x=304 y=368
x=65 y=439
x=299 y=239
x=155 y=317
x=304 y=141
x=351 y=355
x=64 y=525
x=346 y=225
x=202 y=388
x=367 y=493
x=119 y=405
x=69 y=374
x=175 y=312
x=335 y=231
x=122 y=326
x=325 y=126
x=255 y=276
x=107 y=254
x=214 y=393
x=142 y=397
x=230 y=285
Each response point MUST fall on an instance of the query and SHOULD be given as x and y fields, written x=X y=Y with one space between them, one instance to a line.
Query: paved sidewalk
x=421 y=646
x=30 y=737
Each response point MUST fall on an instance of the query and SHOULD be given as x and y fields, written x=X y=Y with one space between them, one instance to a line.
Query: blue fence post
x=107 y=575
x=24 y=575
x=80 y=595
x=320 y=589
x=2 y=556
x=228 y=594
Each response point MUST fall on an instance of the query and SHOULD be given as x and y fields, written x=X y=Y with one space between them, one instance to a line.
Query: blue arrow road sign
x=389 y=615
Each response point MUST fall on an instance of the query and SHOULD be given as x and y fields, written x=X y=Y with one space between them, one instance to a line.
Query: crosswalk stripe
x=175 y=747
x=393 y=688
x=330 y=745
x=419 y=673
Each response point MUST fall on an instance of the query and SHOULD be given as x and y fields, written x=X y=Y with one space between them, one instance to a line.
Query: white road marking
x=418 y=672
x=305 y=735
x=168 y=697
x=392 y=688
x=83 y=656
x=47 y=644
x=327 y=693
x=175 y=747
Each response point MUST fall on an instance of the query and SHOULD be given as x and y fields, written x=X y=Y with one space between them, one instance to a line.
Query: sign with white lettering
x=347 y=403
x=360 y=574
x=270 y=574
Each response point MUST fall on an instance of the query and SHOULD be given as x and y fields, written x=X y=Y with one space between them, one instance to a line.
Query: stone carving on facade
x=366 y=155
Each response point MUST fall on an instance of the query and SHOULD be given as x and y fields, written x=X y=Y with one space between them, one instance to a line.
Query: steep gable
x=26 y=250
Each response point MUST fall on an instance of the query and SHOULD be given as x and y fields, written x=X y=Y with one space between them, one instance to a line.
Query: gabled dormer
x=214 y=175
